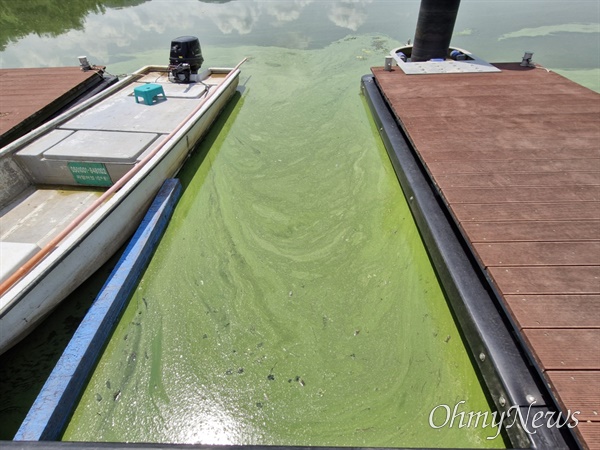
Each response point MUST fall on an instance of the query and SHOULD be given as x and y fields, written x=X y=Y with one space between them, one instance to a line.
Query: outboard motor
x=185 y=58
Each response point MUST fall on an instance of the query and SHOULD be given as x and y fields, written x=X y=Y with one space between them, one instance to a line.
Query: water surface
x=564 y=36
x=291 y=300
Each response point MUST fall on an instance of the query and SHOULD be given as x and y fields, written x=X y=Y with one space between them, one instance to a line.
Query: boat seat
x=50 y=159
x=149 y=92
x=13 y=255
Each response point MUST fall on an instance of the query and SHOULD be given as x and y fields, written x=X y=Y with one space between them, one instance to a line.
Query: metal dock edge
x=509 y=377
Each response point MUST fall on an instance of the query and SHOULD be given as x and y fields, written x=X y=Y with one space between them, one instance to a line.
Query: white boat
x=75 y=189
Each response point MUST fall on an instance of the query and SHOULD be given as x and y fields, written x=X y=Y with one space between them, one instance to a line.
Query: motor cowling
x=185 y=58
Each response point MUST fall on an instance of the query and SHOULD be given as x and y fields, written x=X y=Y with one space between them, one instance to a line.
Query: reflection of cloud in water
x=242 y=18
x=115 y=28
x=293 y=40
x=349 y=13
x=136 y=28
x=286 y=11
x=245 y=15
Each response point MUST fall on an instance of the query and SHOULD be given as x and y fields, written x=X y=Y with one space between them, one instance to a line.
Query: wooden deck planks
x=522 y=179
x=546 y=280
x=554 y=347
x=30 y=96
x=527 y=146
x=498 y=212
x=472 y=166
x=590 y=431
x=516 y=157
x=539 y=253
x=570 y=382
x=532 y=231
x=523 y=194
x=459 y=107
x=568 y=311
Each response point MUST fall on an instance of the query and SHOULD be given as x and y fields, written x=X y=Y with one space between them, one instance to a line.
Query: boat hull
x=32 y=298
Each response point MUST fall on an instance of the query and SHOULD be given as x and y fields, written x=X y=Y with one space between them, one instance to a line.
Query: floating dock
x=29 y=97
x=514 y=158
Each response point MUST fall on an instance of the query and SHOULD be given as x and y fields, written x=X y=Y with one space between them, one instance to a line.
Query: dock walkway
x=515 y=156
x=30 y=96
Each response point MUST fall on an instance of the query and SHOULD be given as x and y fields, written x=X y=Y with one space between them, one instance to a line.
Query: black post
x=434 y=29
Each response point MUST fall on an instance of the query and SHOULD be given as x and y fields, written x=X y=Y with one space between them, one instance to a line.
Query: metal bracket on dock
x=469 y=63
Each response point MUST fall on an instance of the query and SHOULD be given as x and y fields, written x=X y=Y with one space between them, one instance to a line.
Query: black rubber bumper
x=512 y=382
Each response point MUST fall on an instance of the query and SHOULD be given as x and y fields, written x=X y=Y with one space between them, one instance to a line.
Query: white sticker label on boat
x=90 y=174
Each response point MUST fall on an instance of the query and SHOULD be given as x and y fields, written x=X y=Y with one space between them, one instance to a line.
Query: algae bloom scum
x=291 y=301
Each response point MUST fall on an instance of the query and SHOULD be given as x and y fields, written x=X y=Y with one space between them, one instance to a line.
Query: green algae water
x=291 y=300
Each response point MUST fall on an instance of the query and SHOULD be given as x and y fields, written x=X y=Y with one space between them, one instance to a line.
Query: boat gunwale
x=18 y=144
x=31 y=279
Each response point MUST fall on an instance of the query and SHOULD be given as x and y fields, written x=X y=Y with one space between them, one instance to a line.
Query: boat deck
x=40 y=214
x=515 y=156
x=69 y=166
x=30 y=96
